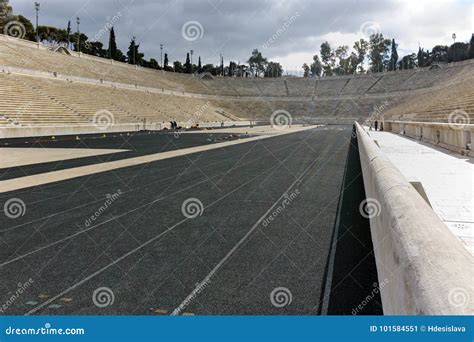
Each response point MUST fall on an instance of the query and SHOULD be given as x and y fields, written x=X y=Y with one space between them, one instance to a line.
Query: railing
x=457 y=137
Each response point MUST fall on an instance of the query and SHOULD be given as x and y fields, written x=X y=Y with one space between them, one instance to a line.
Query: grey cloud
x=231 y=27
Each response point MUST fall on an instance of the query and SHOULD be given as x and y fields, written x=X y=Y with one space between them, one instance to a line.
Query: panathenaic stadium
x=274 y=196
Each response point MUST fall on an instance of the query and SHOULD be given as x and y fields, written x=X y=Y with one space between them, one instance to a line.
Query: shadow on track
x=354 y=287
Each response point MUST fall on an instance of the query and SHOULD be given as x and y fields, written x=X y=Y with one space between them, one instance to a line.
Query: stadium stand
x=40 y=87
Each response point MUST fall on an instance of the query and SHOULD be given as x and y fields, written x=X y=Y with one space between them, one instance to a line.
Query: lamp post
x=454 y=47
x=134 y=50
x=78 y=22
x=161 y=60
x=37 y=8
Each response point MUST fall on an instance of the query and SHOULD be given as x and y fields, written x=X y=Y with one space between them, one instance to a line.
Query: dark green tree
x=305 y=70
x=187 y=65
x=327 y=58
x=393 y=57
x=439 y=54
x=408 y=62
x=199 y=65
x=257 y=63
x=68 y=32
x=316 y=67
x=112 y=45
x=133 y=55
x=471 y=47
x=273 y=69
x=361 y=47
x=378 y=52
x=458 y=52
x=178 y=67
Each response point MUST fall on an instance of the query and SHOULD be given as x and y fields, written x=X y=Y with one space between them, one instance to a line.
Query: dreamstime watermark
x=369 y=28
x=15 y=29
x=288 y=21
x=192 y=208
x=110 y=199
x=22 y=287
x=285 y=202
x=375 y=291
x=103 y=297
x=192 y=30
x=14 y=208
x=197 y=290
x=458 y=119
x=109 y=23
x=370 y=208
x=281 y=297
x=103 y=119
x=46 y=330
x=459 y=297
x=281 y=119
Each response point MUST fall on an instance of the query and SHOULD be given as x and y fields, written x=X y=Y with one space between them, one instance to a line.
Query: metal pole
x=37 y=7
x=454 y=47
x=78 y=21
x=161 y=60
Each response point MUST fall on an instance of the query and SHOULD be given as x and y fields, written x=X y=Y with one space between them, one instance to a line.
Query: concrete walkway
x=446 y=177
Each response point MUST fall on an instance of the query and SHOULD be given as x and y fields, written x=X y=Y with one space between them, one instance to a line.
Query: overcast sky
x=289 y=32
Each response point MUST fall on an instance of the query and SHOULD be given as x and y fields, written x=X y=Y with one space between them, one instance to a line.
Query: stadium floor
x=134 y=144
x=229 y=260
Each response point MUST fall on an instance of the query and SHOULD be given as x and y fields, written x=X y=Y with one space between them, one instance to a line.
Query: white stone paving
x=447 y=179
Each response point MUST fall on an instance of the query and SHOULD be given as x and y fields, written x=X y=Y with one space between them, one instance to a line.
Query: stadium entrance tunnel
x=352 y=282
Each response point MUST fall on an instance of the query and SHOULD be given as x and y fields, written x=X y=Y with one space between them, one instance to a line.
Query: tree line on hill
x=380 y=53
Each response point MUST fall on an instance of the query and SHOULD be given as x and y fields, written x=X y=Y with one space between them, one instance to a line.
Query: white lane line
x=60 y=175
x=216 y=268
x=137 y=248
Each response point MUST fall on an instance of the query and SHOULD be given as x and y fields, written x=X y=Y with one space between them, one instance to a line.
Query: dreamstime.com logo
x=103 y=119
x=14 y=208
x=283 y=205
x=192 y=30
x=15 y=29
x=281 y=297
x=369 y=28
x=370 y=208
x=199 y=288
x=459 y=297
x=192 y=208
x=108 y=202
x=46 y=330
x=375 y=291
x=109 y=24
x=286 y=24
x=22 y=287
x=103 y=297
x=281 y=119
x=458 y=119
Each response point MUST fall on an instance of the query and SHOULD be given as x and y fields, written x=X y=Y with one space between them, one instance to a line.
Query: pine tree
x=166 y=61
x=393 y=57
x=471 y=47
x=112 y=45
x=133 y=56
x=421 y=60
x=199 y=65
x=68 y=32
x=187 y=65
